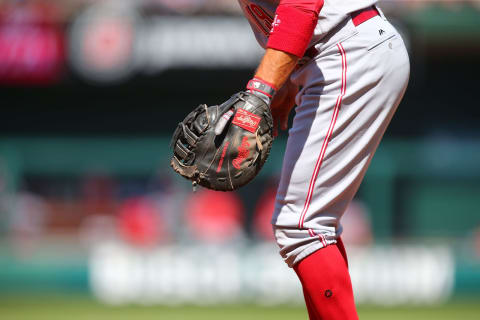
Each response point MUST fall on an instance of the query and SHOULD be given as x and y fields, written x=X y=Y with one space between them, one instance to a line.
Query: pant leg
x=350 y=93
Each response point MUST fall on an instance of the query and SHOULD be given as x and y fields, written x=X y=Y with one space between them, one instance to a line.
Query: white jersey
x=260 y=15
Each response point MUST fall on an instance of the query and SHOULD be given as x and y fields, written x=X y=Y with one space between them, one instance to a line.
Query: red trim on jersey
x=262 y=15
x=253 y=12
x=327 y=137
x=293 y=27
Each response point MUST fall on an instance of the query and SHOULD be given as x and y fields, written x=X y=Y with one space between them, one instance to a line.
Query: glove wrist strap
x=261 y=88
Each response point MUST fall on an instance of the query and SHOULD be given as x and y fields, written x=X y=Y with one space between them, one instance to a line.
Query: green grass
x=18 y=308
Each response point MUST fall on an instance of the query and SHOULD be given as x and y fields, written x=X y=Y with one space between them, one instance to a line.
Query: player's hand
x=282 y=103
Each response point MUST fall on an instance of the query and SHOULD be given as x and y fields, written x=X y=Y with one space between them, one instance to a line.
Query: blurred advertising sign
x=110 y=42
x=102 y=43
x=199 y=42
x=255 y=272
x=31 y=44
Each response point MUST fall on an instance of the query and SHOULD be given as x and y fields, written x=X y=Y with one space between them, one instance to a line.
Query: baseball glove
x=224 y=147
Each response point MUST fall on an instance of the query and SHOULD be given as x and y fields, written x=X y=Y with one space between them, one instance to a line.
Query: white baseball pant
x=349 y=94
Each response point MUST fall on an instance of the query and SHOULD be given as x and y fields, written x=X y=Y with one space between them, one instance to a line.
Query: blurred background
x=94 y=223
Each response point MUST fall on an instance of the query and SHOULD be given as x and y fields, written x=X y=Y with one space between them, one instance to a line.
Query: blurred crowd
x=64 y=9
x=144 y=212
x=41 y=40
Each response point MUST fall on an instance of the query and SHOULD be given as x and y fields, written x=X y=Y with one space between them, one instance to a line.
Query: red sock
x=326 y=284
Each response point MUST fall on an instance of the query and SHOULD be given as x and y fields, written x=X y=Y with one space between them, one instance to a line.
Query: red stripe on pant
x=326 y=284
x=328 y=136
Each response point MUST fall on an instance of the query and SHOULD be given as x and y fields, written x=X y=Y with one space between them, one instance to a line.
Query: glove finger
x=226 y=111
x=190 y=137
x=227 y=105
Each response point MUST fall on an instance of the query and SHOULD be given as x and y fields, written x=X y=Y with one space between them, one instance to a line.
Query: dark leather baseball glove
x=224 y=147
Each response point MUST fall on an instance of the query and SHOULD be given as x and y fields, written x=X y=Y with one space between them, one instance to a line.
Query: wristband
x=292 y=30
x=263 y=89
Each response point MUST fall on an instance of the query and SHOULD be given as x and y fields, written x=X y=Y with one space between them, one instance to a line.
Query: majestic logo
x=246 y=120
x=243 y=153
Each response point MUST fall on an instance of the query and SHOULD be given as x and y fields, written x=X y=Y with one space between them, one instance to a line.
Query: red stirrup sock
x=326 y=284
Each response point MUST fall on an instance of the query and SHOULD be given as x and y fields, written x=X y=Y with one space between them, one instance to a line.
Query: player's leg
x=341 y=248
x=312 y=312
x=326 y=285
x=349 y=95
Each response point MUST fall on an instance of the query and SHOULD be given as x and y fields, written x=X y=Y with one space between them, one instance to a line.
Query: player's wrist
x=261 y=88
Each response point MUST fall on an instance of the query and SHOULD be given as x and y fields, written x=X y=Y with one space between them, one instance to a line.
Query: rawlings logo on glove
x=246 y=120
